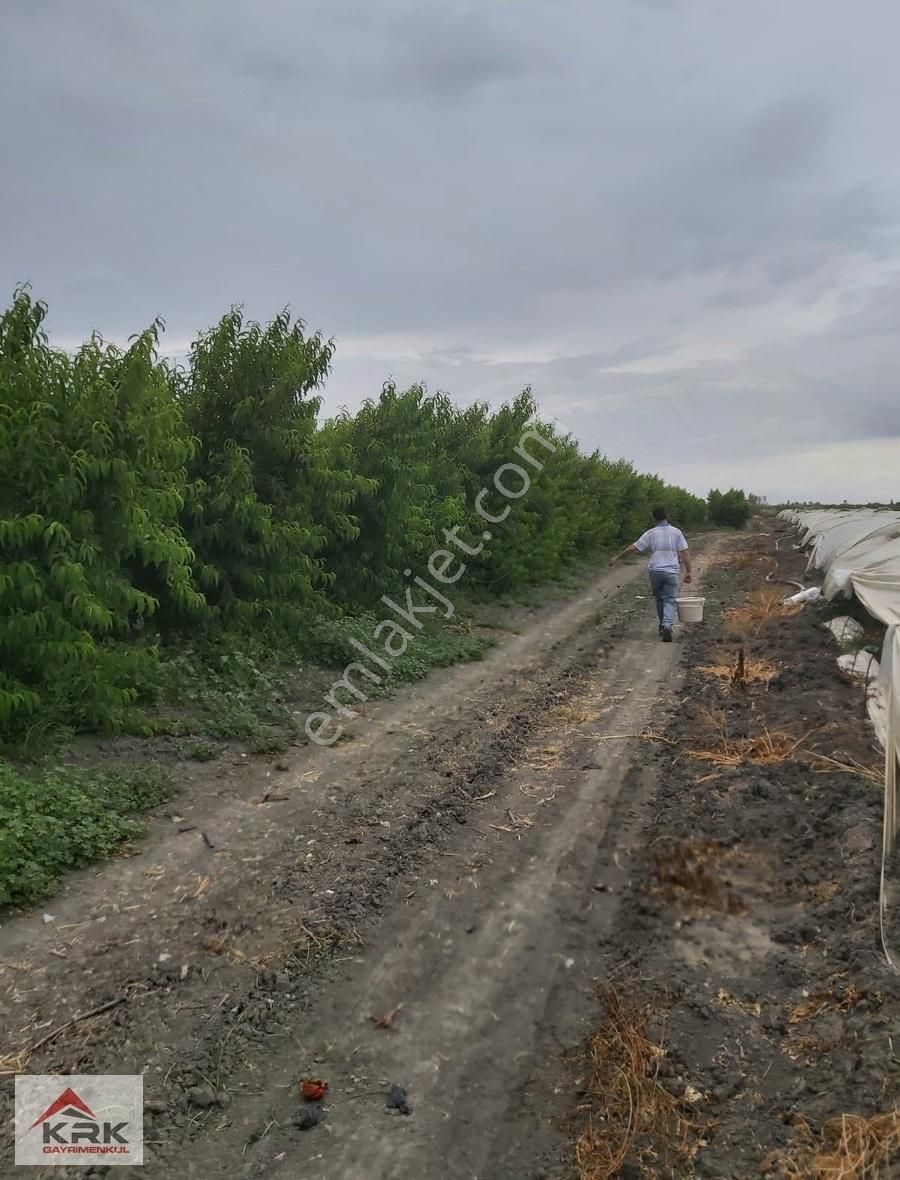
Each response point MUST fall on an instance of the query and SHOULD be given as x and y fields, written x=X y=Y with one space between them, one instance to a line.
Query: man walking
x=668 y=551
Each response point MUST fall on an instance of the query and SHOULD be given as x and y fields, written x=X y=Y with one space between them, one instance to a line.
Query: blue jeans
x=664 y=584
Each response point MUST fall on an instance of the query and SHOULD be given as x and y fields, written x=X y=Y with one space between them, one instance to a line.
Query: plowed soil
x=750 y=933
x=422 y=916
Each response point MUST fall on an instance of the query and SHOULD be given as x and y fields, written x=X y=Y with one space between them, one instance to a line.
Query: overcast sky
x=678 y=220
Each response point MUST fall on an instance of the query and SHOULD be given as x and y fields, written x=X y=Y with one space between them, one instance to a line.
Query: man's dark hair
x=659 y=514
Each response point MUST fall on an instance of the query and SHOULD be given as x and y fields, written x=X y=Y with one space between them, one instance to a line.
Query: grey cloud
x=732 y=297
x=452 y=55
x=272 y=68
x=788 y=138
x=640 y=349
x=655 y=188
x=659 y=5
x=878 y=314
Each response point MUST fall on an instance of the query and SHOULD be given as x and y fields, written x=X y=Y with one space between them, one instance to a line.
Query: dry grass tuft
x=632 y=1115
x=873 y=774
x=746 y=559
x=765 y=749
x=740 y=671
x=14 y=1063
x=760 y=608
x=843 y=1001
x=850 y=1147
x=751 y=559
x=569 y=715
x=547 y=757
x=686 y=877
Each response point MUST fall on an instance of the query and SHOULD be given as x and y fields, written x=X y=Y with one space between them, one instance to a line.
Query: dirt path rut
x=459 y=860
x=493 y=969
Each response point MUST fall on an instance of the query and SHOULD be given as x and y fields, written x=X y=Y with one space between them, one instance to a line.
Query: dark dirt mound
x=752 y=930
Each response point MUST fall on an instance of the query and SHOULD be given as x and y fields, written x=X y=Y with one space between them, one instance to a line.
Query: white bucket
x=690 y=610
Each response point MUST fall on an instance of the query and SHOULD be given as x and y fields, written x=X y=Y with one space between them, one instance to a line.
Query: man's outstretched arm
x=626 y=550
x=685 y=558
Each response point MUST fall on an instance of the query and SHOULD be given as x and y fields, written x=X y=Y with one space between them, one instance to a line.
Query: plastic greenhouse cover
x=859 y=552
x=861 y=548
x=873 y=552
x=848 y=534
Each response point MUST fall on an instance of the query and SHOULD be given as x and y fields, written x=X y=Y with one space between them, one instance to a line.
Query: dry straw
x=762 y=607
x=632 y=1116
x=764 y=749
x=849 y=997
x=874 y=774
x=740 y=671
x=849 y=1147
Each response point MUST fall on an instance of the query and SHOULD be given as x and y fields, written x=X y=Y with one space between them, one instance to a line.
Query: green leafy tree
x=138 y=500
x=408 y=489
x=265 y=500
x=731 y=509
x=92 y=484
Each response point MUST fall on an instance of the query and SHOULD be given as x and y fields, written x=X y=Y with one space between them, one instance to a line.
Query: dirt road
x=456 y=862
x=491 y=958
x=421 y=916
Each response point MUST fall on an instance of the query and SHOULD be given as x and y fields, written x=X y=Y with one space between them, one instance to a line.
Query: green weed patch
x=61 y=819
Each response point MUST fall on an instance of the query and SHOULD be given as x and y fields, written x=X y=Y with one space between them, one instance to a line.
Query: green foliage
x=435 y=647
x=141 y=503
x=424 y=465
x=230 y=687
x=236 y=687
x=731 y=509
x=269 y=490
x=66 y=818
x=408 y=489
x=203 y=751
x=92 y=485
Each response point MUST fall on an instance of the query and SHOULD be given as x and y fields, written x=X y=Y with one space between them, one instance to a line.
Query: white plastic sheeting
x=862 y=665
x=891 y=671
x=845 y=629
x=858 y=550
x=872 y=553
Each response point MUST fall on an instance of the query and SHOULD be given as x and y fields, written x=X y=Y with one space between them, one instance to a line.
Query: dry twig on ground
x=387 y=1020
x=14 y=1063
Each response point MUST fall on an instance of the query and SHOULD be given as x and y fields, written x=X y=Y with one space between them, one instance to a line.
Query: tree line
x=141 y=500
